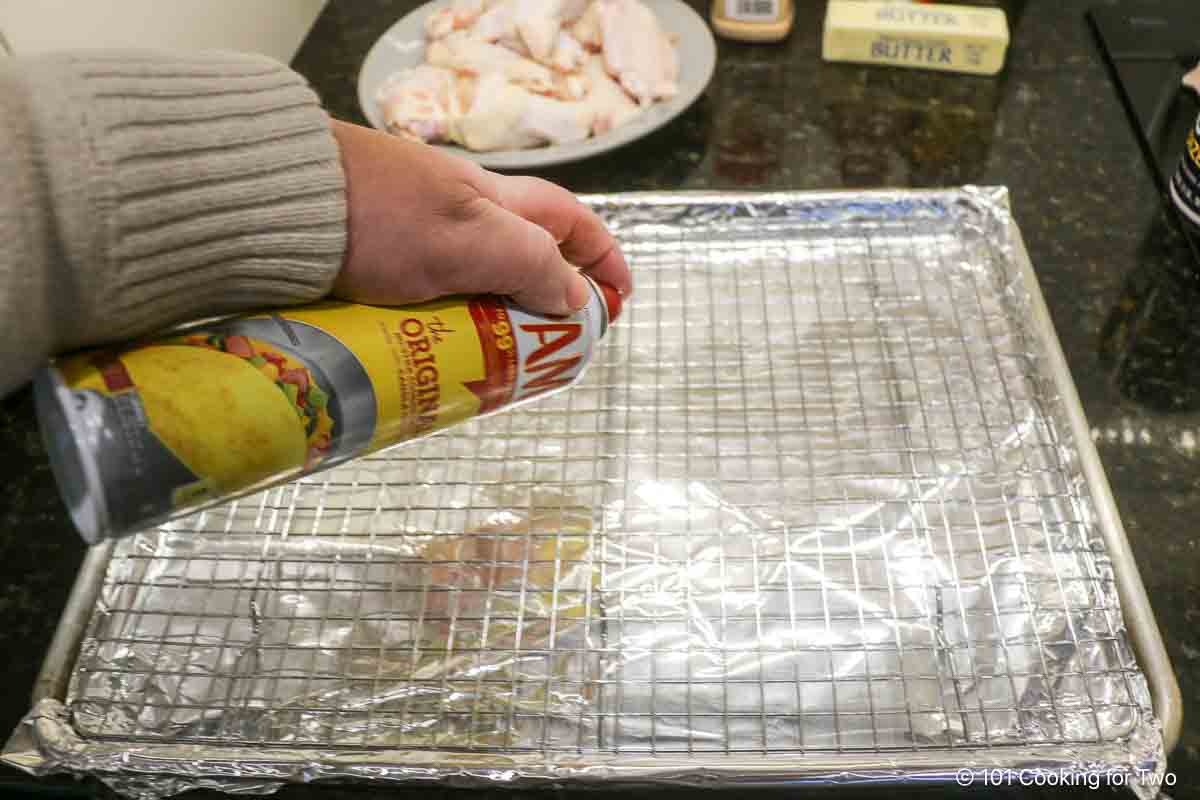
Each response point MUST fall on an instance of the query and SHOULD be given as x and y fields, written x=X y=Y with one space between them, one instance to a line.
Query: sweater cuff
x=185 y=187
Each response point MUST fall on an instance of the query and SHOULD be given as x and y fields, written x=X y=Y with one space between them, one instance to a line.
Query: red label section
x=552 y=374
x=499 y=355
x=116 y=377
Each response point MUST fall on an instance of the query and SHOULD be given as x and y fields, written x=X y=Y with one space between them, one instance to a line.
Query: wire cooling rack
x=817 y=496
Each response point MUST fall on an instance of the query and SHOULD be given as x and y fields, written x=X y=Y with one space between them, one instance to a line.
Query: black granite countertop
x=1120 y=285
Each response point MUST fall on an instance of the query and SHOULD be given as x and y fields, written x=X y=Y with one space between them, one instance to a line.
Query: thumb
x=522 y=260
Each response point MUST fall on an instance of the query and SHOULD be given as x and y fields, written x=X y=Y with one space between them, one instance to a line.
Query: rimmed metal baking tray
x=824 y=509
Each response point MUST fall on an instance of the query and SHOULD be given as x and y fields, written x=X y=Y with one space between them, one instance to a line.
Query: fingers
x=522 y=260
x=423 y=224
x=581 y=235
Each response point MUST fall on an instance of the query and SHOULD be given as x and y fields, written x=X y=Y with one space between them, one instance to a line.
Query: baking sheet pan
x=824 y=509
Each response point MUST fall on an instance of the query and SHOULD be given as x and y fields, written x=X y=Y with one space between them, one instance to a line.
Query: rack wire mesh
x=814 y=497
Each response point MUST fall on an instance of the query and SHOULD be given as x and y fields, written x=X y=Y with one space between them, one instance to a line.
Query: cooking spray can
x=1185 y=183
x=152 y=431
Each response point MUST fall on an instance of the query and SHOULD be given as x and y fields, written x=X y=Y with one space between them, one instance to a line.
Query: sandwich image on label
x=293 y=378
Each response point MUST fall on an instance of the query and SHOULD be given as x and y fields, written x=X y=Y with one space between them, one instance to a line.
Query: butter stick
x=924 y=36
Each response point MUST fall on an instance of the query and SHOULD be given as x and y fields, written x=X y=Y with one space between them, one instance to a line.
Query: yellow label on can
x=420 y=361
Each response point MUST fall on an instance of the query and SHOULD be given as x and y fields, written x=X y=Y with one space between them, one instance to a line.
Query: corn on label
x=136 y=471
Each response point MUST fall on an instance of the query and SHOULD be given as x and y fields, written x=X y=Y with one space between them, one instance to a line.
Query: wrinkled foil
x=814 y=515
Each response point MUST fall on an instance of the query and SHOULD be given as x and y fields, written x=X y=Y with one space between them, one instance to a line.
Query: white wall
x=273 y=27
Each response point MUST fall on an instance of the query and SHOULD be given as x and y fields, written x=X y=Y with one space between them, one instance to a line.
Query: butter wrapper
x=947 y=38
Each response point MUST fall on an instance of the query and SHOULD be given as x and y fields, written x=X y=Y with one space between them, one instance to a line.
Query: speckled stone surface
x=1118 y=281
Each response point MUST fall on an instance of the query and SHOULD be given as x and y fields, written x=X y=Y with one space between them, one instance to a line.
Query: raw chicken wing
x=462 y=52
x=586 y=29
x=569 y=54
x=538 y=23
x=458 y=15
x=499 y=25
x=513 y=74
x=607 y=99
x=418 y=103
x=532 y=28
x=636 y=51
x=505 y=116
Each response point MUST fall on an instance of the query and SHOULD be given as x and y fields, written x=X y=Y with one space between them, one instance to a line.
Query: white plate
x=403 y=45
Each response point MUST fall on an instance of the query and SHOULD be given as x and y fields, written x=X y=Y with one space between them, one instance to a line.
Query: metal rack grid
x=814 y=496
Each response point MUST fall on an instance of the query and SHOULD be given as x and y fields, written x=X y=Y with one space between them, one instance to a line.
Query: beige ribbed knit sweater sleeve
x=141 y=189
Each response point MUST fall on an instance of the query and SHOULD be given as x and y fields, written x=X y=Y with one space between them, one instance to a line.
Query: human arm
x=142 y=189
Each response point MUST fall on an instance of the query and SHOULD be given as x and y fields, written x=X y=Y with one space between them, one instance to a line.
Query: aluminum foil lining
x=813 y=515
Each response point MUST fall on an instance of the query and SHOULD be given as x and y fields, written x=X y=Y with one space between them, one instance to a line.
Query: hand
x=423 y=224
